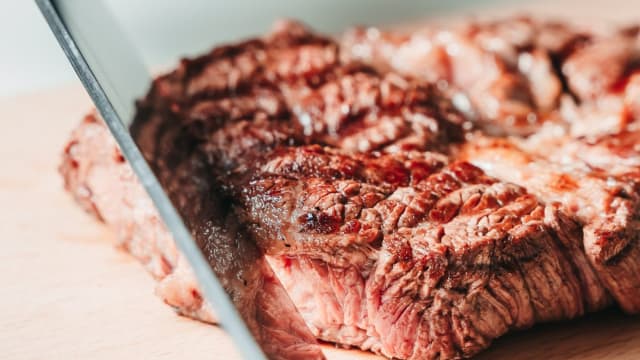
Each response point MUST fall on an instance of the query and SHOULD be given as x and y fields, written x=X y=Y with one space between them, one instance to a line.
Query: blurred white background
x=31 y=60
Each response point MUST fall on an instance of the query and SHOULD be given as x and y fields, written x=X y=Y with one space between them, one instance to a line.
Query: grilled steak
x=435 y=262
x=100 y=179
x=356 y=172
x=516 y=75
x=505 y=69
x=605 y=205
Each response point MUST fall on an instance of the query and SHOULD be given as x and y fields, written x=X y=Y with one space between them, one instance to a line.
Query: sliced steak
x=504 y=72
x=98 y=176
x=458 y=258
x=352 y=181
x=604 y=76
x=360 y=110
x=441 y=246
x=518 y=74
x=442 y=258
x=606 y=206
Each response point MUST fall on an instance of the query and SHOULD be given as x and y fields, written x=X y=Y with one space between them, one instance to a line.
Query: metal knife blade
x=114 y=77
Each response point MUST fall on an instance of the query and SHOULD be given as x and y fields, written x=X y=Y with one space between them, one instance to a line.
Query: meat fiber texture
x=417 y=194
x=102 y=182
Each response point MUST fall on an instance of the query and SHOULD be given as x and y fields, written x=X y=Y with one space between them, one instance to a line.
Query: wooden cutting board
x=67 y=293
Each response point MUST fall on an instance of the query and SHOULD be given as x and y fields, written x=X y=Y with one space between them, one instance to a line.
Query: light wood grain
x=68 y=294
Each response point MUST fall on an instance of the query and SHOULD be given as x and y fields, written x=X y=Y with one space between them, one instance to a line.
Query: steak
x=514 y=76
x=354 y=176
x=102 y=181
x=605 y=205
x=437 y=264
x=502 y=73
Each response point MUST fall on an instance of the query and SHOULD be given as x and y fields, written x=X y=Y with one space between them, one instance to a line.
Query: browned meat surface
x=349 y=167
x=616 y=154
x=503 y=70
x=360 y=110
x=514 y=75
x=603 y=76
x=425 y=251
x=606 y=205
x=100 y=179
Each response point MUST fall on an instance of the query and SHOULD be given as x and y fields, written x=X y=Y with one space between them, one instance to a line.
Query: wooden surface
x=67 y=293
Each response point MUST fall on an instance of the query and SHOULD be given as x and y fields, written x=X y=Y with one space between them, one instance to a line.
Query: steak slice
x=605 y=204
x=518 y=74
x=100 y=179
x=297 y=79
x=604 y=77
x=463 y=258
x=358 y=109
x=503 y=72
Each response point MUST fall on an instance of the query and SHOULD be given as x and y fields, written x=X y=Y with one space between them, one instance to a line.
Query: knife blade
x=114 y=77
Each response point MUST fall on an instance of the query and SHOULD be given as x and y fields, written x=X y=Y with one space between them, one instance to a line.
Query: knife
x=114 y=77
